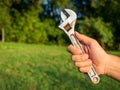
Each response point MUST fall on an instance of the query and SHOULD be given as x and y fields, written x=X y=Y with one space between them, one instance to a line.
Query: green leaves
x=33 y=21
x=96 y=28
x=4 y=16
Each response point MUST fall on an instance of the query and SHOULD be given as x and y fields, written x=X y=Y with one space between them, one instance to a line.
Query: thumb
x=83 y=39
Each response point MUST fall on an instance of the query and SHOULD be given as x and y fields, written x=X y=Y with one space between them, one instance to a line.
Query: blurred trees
x=109 y=11
x=96 y=28
x=4 y=18
x=106 y=12
x=36 y=21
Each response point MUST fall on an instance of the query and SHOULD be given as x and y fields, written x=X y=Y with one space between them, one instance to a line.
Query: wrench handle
x=92 y=73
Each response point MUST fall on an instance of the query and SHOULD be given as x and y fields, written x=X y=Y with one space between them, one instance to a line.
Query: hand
x=95 y=55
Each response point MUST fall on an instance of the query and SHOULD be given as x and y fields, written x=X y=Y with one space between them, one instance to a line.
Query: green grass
x=40 y=67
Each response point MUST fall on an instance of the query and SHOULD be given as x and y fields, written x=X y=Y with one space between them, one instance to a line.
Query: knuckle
x=81 y=70
x=79 y=51
x=84 y=57
x=76 y=64
x=84 y=69
x=93 y=42
x=88 y=69
x=69 y=48
x=73 y=57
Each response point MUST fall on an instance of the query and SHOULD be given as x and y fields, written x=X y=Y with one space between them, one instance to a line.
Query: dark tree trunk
x=3 y=35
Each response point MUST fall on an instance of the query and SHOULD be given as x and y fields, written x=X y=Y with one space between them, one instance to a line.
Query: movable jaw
x=67 y=13
x=69 y=19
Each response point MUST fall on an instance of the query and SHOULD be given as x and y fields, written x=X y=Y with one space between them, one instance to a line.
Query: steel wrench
x=69 y=19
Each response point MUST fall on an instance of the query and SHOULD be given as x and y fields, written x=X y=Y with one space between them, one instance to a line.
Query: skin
x=95 y=55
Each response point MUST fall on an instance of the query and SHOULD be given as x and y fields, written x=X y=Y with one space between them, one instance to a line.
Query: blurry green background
x=36 y=21
x=33 y=49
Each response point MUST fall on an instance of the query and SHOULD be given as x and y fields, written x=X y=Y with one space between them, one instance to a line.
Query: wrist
x=112 y=66
x=107 y=65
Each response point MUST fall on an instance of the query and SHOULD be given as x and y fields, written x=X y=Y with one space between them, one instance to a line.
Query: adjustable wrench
x=69 y=19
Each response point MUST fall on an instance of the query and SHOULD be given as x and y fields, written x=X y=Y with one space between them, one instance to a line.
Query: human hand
x=95 y=55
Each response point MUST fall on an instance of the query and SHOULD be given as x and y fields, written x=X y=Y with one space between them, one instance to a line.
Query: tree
x=109 y=10
x=36 y=21
x=97 y=29
x=52 y=8
x=4 y=18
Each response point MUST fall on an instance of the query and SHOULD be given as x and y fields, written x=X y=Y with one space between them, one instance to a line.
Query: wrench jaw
x=63 y=16
x=67 y=13
x=69 y=19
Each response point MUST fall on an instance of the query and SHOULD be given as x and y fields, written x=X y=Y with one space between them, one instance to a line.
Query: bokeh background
x=36 y=21
x=33 y=52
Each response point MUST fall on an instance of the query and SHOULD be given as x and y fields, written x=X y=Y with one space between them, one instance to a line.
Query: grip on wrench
x=92 y=73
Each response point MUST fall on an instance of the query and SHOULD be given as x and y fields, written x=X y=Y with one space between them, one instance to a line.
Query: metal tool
x=69 y=19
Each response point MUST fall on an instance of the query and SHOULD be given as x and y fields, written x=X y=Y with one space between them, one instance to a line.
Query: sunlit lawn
x=44 y=67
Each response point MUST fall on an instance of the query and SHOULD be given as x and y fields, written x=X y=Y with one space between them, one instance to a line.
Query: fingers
x=79 y=58
x=84 y=39
x=82 y=62
x=84 y=69
x=73 y=50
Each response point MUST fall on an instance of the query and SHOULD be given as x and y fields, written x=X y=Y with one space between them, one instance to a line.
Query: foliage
x=97 y=29
x=42 y=67
x=27 y=28
x=109 y=11
x=36 y=21
x=4 y=17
